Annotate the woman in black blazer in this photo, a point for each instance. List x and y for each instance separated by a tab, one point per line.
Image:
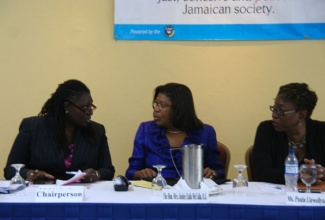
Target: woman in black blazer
62	138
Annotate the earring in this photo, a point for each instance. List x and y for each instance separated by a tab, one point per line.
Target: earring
66	111
300	123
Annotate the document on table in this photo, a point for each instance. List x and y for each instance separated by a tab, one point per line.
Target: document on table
76	178
5	186
142	183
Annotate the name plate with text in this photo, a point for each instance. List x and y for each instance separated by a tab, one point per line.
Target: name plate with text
307	199
185	196
49	193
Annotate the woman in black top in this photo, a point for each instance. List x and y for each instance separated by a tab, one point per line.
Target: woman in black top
62	138
290	127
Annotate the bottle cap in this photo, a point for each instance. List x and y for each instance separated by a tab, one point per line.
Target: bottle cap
291	151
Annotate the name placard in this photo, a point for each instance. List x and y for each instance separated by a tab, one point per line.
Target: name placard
307	199
54	193
185	196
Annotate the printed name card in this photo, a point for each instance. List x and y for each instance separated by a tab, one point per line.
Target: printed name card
307	199
59	193
185	196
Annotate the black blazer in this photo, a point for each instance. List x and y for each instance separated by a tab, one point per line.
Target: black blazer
35	147
271	148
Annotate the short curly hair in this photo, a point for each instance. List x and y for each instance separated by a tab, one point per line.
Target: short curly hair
300	95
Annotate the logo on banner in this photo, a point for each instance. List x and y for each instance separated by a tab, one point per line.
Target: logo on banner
169	31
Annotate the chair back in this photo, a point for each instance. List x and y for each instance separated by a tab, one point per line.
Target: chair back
249	163
224	157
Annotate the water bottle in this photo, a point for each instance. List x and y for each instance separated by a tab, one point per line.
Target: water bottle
291	171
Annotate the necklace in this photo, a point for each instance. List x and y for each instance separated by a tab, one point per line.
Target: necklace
299	144
174	132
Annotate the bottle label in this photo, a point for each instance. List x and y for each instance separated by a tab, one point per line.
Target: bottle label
291	169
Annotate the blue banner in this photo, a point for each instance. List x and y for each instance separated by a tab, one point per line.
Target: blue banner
220	32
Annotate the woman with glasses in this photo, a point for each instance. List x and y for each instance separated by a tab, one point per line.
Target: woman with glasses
62	138
175	124
290	127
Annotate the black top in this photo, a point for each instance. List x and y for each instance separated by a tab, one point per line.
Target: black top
35	147
271	148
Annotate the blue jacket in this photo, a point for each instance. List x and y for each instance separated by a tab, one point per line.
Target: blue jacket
151	147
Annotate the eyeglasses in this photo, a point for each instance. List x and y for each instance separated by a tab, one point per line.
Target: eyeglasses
280	111
86	108
160	105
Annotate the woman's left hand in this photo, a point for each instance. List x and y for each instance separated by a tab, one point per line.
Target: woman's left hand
90	176
320	169
208	173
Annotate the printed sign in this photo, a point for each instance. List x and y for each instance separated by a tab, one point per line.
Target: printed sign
307	199
52	193
219	19
185	196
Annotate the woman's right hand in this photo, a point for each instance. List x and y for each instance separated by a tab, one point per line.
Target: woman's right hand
144	174
33	175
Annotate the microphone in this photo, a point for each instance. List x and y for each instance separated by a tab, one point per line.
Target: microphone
121	183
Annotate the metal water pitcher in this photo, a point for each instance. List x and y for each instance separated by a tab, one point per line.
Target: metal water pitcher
192	165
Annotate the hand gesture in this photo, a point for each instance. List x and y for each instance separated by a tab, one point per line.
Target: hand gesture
90	176
208	173
144	174
320	169
33	175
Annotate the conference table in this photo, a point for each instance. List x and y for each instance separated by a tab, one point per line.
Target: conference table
101	201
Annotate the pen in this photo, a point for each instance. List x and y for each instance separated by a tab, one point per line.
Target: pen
274	186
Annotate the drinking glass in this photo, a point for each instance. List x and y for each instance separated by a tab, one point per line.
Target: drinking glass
159	182
240	180
17	182
308	175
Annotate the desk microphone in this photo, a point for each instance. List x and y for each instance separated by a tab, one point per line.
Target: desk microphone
121	183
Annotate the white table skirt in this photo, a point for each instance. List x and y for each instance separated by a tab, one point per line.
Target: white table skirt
103	192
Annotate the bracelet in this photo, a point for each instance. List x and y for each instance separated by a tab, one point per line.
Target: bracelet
214	175
97	174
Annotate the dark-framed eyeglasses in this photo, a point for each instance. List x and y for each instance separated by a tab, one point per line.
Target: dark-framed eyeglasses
86	108
160	105
280	111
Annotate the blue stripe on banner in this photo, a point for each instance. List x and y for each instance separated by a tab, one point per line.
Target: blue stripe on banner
220	32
